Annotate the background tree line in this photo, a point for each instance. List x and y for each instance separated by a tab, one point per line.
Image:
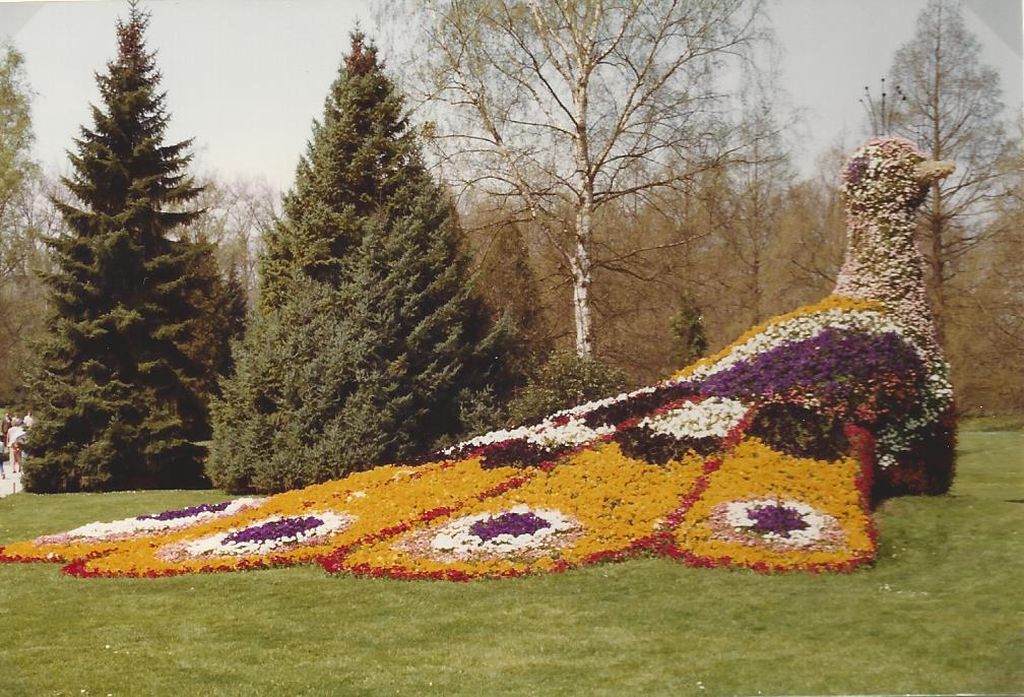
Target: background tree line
583	201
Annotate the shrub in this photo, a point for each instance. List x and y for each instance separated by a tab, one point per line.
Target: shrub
564	381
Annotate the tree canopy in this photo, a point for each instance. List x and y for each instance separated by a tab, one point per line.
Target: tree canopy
117	392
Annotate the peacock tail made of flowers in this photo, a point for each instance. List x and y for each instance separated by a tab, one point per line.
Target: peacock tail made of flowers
769	455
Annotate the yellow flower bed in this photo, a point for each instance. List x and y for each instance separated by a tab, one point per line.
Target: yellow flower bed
318	494
376	500
754	472
615	502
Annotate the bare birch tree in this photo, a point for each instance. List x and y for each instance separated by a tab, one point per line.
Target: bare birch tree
566	106
952	108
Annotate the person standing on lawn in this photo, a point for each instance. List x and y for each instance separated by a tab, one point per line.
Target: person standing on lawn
14	435
5	426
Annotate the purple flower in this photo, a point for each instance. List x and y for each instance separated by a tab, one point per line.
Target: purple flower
508	524
776	519
274	530
855	170
842	368
187	512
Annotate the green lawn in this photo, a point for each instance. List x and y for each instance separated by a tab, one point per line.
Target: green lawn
941	612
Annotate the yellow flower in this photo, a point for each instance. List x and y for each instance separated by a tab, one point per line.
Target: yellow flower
614	501
755	472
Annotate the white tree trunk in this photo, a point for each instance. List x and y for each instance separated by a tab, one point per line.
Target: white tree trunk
581	267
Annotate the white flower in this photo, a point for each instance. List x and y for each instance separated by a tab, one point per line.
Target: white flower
714	417
456	540
571	433
145	525
819	527
219	545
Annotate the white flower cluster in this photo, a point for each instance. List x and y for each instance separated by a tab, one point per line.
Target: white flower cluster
713	417
457	539
545	434
551	433
215	545
130	527
583	410
820	526
884	264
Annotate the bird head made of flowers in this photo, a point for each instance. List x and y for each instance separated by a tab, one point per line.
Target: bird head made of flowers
889	178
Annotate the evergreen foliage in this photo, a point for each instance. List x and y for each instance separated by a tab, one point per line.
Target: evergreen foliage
688	339
359	155
566	380
509	284
222	311
117	393
282	403
432	338
371	339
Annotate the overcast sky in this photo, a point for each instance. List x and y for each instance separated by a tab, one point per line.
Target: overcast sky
246	78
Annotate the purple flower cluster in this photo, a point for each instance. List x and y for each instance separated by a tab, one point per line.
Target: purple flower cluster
776	519
855	170
274	530
508	524
187	512
838	366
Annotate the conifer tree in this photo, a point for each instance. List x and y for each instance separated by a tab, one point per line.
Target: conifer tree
221	308
688	339
370	334
510	286
433	343
358	156
116	392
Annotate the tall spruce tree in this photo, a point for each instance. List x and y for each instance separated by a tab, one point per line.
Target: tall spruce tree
370	336
358	156
117	394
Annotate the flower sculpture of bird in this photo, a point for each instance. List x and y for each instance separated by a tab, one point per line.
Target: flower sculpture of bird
769	455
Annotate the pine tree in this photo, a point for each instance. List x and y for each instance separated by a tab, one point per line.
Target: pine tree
688	339
117	393
358	156
509	284
433	344
370	337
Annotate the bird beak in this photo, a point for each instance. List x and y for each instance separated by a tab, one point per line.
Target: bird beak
931	171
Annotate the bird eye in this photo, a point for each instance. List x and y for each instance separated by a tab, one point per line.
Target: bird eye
855	170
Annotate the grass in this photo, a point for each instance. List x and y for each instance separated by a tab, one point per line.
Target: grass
941	612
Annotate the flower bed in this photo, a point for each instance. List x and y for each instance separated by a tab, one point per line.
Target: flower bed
773	512
600	504
94	538
745	459
767	455
385	500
